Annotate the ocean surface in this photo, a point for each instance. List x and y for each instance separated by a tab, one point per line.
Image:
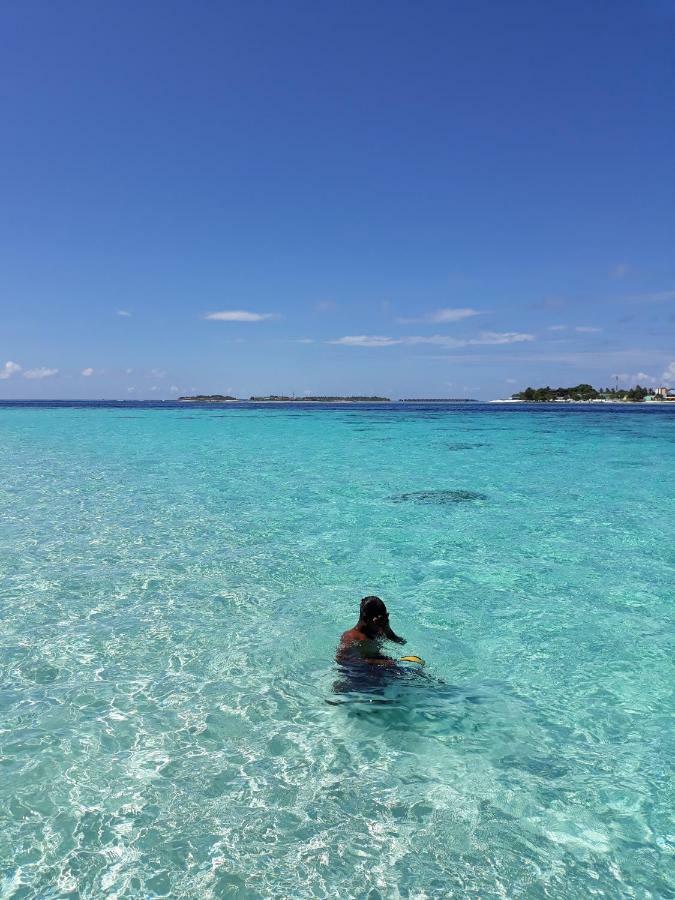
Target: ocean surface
174	581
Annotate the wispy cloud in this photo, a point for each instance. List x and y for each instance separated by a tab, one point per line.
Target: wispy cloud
88	372
239	315
657	297
10	368
440	316
587	329
557	328
124	313
506	337
366	340
325	306
602	361
637	378
668	376
551	303
41	372
620	270
305	341
438	340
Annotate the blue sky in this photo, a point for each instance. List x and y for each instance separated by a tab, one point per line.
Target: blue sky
431	199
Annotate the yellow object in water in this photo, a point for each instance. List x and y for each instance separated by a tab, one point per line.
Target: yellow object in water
415	659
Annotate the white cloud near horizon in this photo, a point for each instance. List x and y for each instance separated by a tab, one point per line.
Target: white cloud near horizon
124	313
305	341
669	375
587	329
438	340
41	372
637	378
88	372
440	316
602	362
10	368
239	315
557	328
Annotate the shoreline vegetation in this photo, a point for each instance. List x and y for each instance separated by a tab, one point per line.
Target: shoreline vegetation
586	393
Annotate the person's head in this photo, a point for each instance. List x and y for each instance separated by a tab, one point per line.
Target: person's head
373	614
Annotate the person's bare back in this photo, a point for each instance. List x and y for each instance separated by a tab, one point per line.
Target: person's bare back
362	643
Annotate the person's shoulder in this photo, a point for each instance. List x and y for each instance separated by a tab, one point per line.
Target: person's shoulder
353	634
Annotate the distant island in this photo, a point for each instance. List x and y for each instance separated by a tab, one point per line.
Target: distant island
208	398
439	400
280	398
586	393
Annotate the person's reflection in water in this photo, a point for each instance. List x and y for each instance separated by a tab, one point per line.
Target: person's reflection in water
362	664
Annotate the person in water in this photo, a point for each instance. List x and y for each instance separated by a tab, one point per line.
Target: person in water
362	642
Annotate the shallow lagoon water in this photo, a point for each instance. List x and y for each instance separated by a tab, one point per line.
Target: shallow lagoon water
173	584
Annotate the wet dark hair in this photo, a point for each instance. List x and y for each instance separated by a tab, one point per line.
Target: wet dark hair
372	607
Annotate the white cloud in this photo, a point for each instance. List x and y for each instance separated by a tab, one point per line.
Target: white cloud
587	329
157	373
437	340
505	337
154	388
557	328
366	340
10	368
87	372
41	372
669	375
124	312
174	390
440	316
620	270
637	378
131	390
238	315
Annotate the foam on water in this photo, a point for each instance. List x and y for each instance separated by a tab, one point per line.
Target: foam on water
172	588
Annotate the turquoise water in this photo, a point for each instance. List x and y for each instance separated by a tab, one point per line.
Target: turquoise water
173	583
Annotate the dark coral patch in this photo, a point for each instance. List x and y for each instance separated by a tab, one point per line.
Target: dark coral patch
466	446
439	498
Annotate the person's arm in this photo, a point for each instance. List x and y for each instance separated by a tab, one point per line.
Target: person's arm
389	634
